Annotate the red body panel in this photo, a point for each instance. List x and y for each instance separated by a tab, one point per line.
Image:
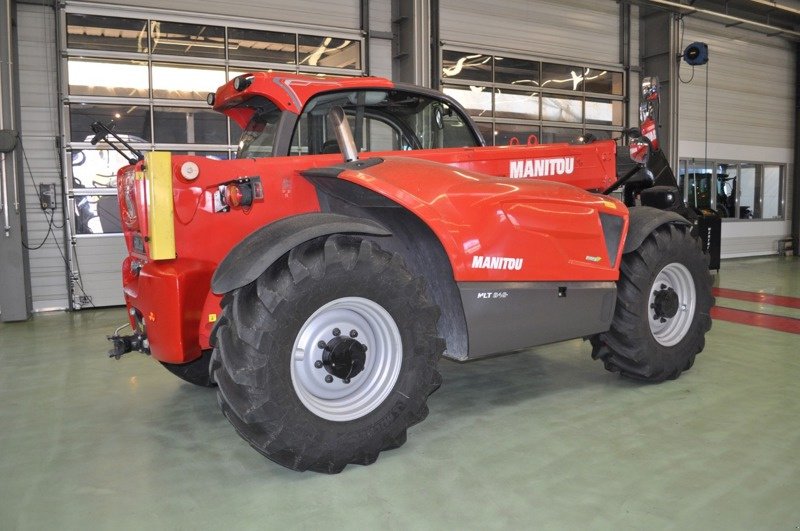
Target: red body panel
551	228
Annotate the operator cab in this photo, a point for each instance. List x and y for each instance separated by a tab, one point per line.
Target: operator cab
381	120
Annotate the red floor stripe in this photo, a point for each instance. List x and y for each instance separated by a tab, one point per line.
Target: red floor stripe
752	296
773	322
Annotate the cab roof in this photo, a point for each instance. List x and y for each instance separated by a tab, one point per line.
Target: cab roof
289	92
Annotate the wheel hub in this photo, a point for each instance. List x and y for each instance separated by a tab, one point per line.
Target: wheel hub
344	357
666	303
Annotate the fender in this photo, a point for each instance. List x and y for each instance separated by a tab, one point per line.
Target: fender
644	220
258	251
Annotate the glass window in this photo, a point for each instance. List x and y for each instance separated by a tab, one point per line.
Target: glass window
486	130
506	134
328	52
416	121
109	34
602	81
262	46
772	205
516	104
258	138
95	168
195	40
188	125
564	77
461	65
476	100
562	109
512	71
552	135
96	214
183	82
748	207
600	134
105	77
131	122
605	112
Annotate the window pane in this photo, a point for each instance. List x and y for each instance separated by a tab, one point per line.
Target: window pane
727	176
603	112
747	197
487	132
329	52
131	122
562	77
103	77
476	100
111	34
506	134
96	214
516	71
461	65
95	168
173	38
262	46
551	135
186	125
602	81
216	155
562	109
516	104
181	82
600	134
773	186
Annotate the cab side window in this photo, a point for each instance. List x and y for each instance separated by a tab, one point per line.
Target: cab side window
381	120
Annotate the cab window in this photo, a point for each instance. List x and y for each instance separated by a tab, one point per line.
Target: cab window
382	120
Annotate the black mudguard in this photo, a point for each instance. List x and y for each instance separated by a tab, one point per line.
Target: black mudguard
643	220
256	253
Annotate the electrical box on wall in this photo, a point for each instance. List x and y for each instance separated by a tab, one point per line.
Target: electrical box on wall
47	196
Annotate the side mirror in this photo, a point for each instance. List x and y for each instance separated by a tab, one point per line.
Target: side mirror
640	150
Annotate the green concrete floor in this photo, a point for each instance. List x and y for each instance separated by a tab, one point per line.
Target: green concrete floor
543	439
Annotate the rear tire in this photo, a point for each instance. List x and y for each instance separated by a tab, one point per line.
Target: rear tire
662	312
333	294
195	372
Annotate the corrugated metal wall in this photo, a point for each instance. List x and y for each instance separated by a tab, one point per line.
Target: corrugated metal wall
751	88
568	29
39	109
750	116
328	13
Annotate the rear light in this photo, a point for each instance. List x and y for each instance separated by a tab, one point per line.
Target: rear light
128	199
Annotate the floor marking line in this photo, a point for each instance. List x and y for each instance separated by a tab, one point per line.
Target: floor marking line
761	320
753	296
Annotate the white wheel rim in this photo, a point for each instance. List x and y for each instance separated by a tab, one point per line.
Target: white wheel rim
670	330
334	399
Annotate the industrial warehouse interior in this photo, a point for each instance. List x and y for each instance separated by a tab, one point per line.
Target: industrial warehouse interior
416	264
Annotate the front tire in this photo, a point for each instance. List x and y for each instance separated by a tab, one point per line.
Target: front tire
662	312
329	356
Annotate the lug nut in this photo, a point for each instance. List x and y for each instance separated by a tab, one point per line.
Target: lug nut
328	378
353	333
346	380
365	346
322	345
336	332
318	364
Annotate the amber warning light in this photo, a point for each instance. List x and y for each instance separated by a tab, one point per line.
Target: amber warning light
241	193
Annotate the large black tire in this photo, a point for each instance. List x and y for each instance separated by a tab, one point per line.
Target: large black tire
267	347
195	372
662	312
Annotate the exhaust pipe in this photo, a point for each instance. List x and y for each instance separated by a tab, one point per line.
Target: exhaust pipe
344	136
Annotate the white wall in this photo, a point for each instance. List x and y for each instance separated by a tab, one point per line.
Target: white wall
750	116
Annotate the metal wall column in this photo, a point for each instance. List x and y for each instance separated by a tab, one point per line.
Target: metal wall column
659	42
795	199
411	50
15	288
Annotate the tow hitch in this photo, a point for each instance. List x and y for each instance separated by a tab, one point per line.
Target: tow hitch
124	344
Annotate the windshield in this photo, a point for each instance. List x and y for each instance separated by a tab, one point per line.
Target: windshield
258	137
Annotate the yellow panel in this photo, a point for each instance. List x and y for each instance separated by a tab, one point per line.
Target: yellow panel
160	218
